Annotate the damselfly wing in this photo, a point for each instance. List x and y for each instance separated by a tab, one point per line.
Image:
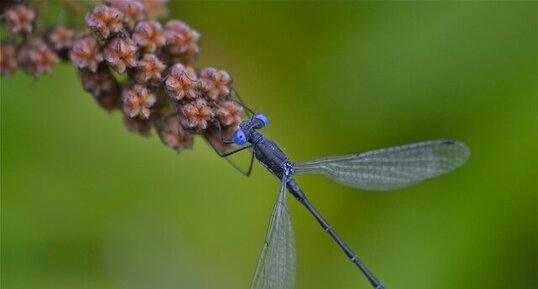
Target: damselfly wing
276	264
390	168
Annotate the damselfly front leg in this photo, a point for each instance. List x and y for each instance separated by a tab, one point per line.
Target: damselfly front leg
225	155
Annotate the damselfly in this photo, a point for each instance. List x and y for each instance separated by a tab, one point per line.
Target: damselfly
381	170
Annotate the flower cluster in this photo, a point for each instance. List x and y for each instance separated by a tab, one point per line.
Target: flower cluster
131	62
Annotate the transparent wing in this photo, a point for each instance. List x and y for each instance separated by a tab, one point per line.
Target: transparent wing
276	265
390	168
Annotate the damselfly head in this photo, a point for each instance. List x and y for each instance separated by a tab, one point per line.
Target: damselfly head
246	128
239	137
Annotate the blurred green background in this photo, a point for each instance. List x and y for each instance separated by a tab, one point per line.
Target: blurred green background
86	204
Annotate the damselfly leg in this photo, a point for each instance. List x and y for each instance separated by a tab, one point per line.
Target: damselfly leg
222	142
220	145
240	101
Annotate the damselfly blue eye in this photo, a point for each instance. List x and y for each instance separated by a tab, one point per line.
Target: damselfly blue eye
239	137
263	118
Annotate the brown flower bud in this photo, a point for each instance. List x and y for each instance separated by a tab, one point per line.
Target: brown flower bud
132	10
149	35
85	53
137	101
149	69
120	53
196	114
174	135
37	58
181	39
8	58
215	83
99	82
229	113
19	19
136	125
61	38
105	21
181	82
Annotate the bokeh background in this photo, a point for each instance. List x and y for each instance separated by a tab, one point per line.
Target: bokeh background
86	204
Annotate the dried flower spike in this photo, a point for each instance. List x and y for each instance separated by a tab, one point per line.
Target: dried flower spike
120	53
181	82
181	39
99	82
19	19
120	29
8	58
229	113
149	35
215	82
37	58
61	38
149	69
105	21
85	54
137	101
196	114
174	135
